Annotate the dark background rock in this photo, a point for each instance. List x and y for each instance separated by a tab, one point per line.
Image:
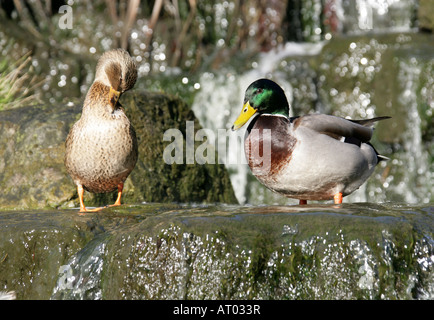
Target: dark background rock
425	15
155	181
32	173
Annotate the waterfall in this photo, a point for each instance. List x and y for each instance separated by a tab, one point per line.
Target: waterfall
363	16
418	174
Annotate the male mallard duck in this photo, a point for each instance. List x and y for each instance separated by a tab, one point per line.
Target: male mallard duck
101	148
311	157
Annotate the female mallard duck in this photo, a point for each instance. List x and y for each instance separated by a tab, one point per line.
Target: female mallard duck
101	148
311	157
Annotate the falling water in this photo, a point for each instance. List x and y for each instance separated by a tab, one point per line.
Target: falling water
418	175
362	16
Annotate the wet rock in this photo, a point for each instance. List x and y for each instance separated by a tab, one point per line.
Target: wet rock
170	251
32	173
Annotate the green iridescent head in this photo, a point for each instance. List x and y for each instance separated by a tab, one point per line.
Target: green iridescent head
262	96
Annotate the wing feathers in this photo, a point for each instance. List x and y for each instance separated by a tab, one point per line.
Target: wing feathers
337	127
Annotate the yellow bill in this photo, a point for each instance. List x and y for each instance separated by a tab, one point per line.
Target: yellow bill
246	113
114	96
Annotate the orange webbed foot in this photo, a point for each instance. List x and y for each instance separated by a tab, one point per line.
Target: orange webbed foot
83	208
118	200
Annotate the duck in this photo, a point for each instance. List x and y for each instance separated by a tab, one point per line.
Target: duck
101	148
308	157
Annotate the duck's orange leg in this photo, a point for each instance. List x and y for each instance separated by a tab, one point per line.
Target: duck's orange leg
80	192
302	202
118	200
338	198
83	209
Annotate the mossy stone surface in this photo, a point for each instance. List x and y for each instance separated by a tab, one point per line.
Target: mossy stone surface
174	251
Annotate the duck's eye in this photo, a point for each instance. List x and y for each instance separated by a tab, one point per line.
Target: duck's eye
260	90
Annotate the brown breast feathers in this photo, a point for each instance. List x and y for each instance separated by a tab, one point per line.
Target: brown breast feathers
268	145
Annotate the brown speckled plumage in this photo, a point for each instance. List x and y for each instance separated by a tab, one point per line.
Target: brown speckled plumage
101	148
